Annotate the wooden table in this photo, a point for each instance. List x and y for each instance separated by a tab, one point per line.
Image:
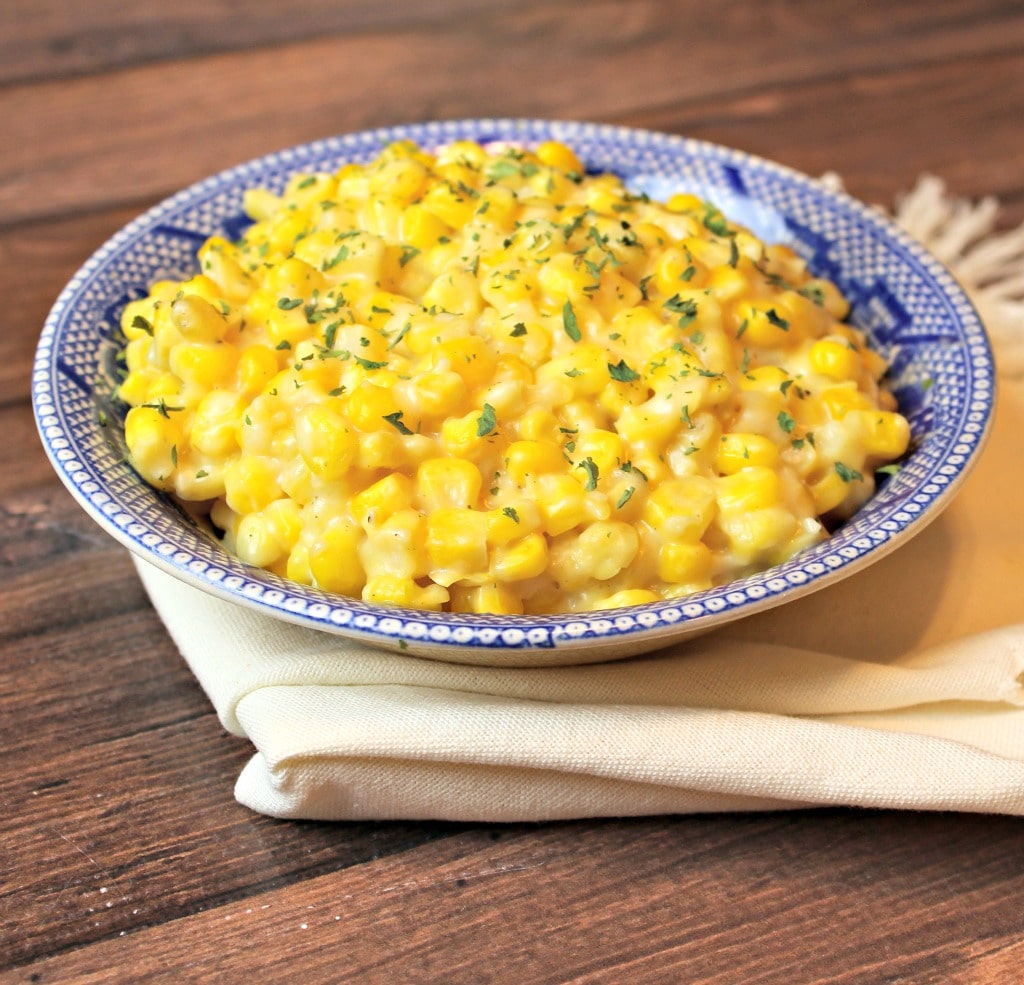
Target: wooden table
123	856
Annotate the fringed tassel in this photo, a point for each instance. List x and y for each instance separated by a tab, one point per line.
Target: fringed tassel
989	264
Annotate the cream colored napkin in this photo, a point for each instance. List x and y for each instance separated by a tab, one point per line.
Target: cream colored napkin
901	687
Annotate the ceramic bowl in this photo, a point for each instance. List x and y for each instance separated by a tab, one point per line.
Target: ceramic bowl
910	306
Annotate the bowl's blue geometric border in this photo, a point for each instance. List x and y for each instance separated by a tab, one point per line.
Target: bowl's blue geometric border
909	303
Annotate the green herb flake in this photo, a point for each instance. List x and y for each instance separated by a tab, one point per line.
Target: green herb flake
370	363
511	513
518	330
395	420
847	474
715	222
408	252
625	497
287	304
283	344
590	467
569	323
891	469
142	323
487	422
775	319
622	372
786	422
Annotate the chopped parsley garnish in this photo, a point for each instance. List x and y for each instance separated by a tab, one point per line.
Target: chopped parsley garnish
519	329
572	329
775	319
786	422
286	304
395	420
715	222
511	513
622	372
590	467
369	363
408	252
142	323
846	473
487	422
625	497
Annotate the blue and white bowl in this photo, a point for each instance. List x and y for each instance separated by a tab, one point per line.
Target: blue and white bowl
910	306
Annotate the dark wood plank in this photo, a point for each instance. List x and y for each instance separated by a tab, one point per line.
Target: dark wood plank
54	39
96	141
770	898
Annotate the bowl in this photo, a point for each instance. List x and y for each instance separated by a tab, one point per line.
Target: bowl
909	305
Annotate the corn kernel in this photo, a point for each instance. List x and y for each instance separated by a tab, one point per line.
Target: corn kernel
524	558
684	563
740	450
834	359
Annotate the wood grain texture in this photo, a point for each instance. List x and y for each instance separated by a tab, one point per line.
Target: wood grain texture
139	133
123	855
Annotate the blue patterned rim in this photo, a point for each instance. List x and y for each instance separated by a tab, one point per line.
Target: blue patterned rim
913	309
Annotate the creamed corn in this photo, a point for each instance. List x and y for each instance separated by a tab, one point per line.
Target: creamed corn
482	380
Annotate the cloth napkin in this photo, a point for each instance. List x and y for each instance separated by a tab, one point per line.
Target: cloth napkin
901	687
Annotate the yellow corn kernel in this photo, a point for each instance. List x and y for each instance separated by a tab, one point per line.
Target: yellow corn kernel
153	434
684	563
885	434
754	488
377	502
455	292
727	283
203	365
838	401
449	203
197	319
526	459
456	544
562	502
607	547
218	259
765	379
681	509
255	541
214	429
257	365
397	546
470	357
447	482
391	590
327	445
401	179
333	560
557	155
495	598
250	483
674	271
604	448
284	521
422	229
521	559
764	326
562	280
584	368
374	408
757	533
685	202
741	449
461	436
627	597
834	359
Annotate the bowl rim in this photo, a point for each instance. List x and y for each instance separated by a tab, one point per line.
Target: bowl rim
826	563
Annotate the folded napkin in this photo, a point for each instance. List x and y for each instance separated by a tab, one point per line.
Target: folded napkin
901	687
